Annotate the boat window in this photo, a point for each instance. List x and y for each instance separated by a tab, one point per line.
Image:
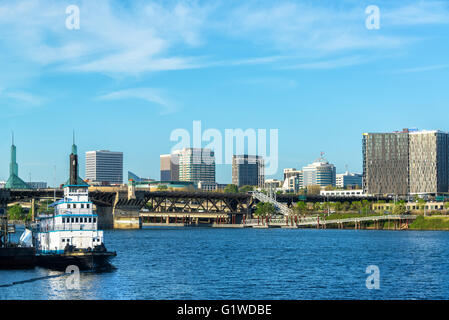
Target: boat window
87	206
90	220
82	206
63	240
63	220
76	220
74	206
95	220
68	206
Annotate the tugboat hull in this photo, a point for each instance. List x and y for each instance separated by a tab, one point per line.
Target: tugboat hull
17	258
83	260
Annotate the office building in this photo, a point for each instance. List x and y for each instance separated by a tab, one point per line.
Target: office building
406	162
428	162
37	185
104	166
319	173
196	164
349	180
248	170
170	166
293	180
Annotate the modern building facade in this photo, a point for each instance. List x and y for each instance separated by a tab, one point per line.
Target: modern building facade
170	167
319	173
428	162
104	166
196	164
37	185
293	180
406	162
348	180
248	170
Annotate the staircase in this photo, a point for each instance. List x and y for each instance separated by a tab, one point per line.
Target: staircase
282	208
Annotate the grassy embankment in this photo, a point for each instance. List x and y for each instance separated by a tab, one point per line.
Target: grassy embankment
430	223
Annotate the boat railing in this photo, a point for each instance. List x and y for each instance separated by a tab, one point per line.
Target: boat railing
69	227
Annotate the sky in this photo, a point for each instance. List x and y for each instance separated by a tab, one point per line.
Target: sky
135	71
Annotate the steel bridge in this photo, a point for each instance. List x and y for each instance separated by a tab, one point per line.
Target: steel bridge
175	200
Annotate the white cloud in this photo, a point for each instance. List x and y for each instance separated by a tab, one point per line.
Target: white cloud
152	95
141	37
22	98
417	13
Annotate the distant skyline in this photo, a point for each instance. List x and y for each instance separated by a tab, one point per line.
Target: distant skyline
136	71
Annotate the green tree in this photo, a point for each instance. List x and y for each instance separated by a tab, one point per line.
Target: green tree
399	209
264	209
16	212
346	206
338	206
301	207
246	189
231	188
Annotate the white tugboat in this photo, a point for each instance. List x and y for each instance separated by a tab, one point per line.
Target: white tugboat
70	236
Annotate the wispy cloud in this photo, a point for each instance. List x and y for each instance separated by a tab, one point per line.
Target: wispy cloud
417	13
423	69
144	37
151	95
22	98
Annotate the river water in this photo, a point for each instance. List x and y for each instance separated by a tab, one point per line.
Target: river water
205	263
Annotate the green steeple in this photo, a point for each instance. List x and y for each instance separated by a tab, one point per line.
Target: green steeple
14	182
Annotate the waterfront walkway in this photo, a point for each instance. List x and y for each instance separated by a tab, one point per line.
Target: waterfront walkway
397	221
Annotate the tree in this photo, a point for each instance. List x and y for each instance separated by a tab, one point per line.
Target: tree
399	209
317	206
338	206
16	212
231	188
264	209
346	205
162	187
246	189
301	207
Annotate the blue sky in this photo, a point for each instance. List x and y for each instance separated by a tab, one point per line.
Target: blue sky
135	71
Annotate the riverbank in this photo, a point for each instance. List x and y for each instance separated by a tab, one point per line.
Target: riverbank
435	223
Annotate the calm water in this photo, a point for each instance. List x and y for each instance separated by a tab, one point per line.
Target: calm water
196	263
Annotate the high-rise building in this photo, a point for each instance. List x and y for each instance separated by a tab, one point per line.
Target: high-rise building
170	166
248	170
349	179
196	164
319	173
293	180
406	162
104	166
385	163
429	162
